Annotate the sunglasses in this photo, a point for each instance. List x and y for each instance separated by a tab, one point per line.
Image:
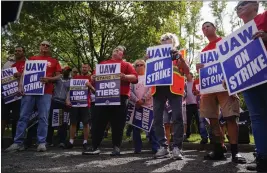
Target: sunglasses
243	4
139	65
45	45
75	72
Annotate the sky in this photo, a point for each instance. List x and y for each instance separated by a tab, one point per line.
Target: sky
207	16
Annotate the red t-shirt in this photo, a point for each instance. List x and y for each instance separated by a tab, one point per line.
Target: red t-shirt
19	65
211	45
127	69
53	66
261	22
85	77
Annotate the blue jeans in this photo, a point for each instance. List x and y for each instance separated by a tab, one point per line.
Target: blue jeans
159	100
43	103
202	127
138	141
256	100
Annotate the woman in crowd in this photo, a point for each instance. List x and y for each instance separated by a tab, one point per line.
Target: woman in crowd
174	93
141	96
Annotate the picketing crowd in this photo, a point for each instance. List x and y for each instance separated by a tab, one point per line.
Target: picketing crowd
173	105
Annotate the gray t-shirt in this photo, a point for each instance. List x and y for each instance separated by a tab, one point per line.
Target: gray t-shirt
61	89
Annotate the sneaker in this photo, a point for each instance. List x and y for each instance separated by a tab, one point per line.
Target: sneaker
176	154
116	152
68	145
238	159
91	151
15	147
204	141
61	145
41	147
85	147
162	153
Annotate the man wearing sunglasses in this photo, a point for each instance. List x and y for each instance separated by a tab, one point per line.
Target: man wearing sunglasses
41	101
256	98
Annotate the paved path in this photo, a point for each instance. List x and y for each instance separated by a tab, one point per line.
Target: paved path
57	160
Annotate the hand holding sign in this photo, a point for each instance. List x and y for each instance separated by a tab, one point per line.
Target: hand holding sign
123	76
139	103
261	34
17	75
44	79
199	66
93	77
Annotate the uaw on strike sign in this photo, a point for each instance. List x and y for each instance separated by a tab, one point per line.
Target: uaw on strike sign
159	69
141	118
9	85
33	71
243	59
107	84
211	75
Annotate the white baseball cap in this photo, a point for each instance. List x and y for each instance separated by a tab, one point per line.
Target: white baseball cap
46	42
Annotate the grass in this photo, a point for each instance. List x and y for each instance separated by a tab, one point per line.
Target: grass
194	138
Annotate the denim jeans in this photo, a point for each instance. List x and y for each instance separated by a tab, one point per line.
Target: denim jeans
159	100
43	103
256	100
138	141
202	127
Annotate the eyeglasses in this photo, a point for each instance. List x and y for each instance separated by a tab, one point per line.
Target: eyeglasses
46	45
139	65
75	72
243	4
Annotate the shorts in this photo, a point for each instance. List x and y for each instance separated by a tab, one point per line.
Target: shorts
79	114
10	110
210	104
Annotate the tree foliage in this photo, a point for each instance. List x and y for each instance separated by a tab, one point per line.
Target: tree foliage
219	11
86	32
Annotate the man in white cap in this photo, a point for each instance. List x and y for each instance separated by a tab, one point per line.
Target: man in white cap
41	101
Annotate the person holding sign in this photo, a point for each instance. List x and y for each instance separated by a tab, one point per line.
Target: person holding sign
209	108
174	93
15	105
141	96
58	102
256	98
115	114
42	102
80	112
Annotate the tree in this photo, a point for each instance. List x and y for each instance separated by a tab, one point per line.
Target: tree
191	27
218	11
86	32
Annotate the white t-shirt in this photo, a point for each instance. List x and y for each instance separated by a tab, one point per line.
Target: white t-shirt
190	97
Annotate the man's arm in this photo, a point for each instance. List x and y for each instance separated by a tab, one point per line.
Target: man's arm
184	66
131	75
21	89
